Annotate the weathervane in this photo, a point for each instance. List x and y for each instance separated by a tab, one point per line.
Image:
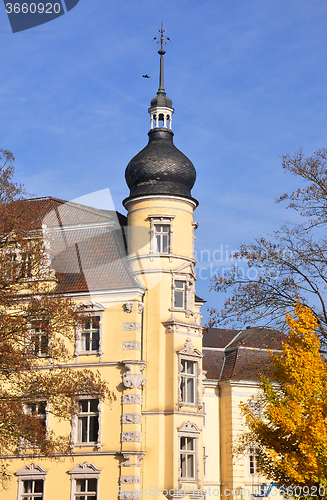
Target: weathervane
161	52
162	40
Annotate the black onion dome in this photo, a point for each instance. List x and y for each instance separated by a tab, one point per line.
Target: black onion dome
160	168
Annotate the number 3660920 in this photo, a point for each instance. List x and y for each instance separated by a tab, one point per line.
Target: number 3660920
40	8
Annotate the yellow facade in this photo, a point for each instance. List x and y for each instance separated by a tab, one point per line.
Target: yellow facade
169	433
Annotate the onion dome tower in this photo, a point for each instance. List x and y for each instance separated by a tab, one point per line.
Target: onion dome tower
160	242
160	168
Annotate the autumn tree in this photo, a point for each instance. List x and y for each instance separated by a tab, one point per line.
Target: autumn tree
289	266
290	435
37	329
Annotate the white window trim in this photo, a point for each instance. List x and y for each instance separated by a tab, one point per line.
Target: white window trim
24	443
252	452
83	471
91	309
190	430
188	353
204	414
30	472
29	344
74	434
163	220
189	293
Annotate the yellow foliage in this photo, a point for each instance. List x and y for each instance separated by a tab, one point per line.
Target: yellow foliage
292	434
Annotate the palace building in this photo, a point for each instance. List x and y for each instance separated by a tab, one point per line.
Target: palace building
170	432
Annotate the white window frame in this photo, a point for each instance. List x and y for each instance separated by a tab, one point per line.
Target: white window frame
252	461
188	294
254	406
75	441
83	471
191	431
24	443
46	411
161	220
88	332
92	309
37	332
30	472
187	376
188	353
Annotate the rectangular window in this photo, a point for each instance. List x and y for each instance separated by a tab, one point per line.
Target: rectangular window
33	489
162	238
188	375
88	421
27	264
38	410
253	461
179	295
90	334
86	489
40	342
187	457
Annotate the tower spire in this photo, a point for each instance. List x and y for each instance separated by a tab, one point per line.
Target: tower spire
161	108
162	41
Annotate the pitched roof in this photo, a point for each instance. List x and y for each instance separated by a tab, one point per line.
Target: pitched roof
86	246
92	259
239	354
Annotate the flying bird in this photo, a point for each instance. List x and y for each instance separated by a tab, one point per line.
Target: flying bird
145	76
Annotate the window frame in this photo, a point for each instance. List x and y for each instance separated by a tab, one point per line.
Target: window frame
188	293
35	331
39	416
161	220
187	376
189	430
25	443
82	471
92	309
89	331
252	457
31	472
188	353
75	434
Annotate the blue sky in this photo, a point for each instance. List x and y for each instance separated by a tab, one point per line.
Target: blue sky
248	83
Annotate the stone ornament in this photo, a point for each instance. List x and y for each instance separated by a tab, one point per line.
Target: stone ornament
131	418
140	307
132	399
127	327
85	467
134	380
133	437
130	494
130	479
128	459
32	469
129	307
133	345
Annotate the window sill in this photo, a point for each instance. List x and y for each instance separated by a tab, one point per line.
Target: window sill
87	445
88	353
